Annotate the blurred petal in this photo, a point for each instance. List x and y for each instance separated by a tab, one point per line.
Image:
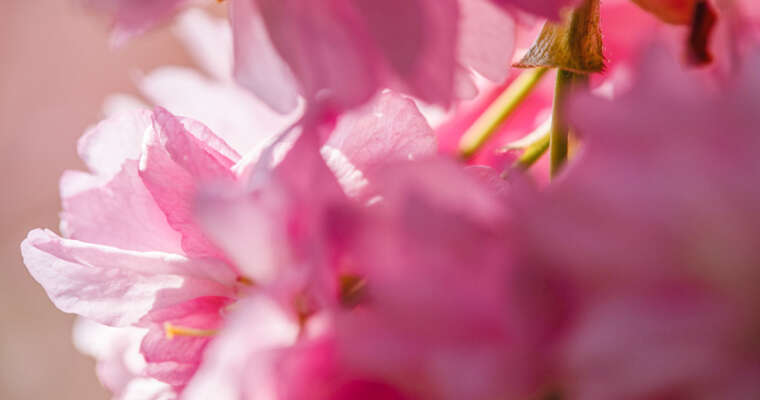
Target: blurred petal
258	66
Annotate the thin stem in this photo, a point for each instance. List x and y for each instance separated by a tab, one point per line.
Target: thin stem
560	129
504	106
532	153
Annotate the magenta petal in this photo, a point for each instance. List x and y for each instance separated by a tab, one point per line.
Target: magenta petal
417	39
112	286
544	8
333	62
433	78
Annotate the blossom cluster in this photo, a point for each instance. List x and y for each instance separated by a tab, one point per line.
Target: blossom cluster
351	202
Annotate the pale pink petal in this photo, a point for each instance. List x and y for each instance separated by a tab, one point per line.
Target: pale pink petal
116	351
147	389
247	229
111	286
258	67
234	114
106	146
92	209
173	163
209	41
389	129
277	227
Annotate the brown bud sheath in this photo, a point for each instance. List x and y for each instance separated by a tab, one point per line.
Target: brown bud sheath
575	45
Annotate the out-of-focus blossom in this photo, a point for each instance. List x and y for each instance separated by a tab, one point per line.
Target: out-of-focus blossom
210	94
545	8
339	55
672	11
432	294
439	321
655	226
133	17
261	355
120	365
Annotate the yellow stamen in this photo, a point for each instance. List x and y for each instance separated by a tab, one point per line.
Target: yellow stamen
173	330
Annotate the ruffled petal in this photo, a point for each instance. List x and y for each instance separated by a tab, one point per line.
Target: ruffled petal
112	286
174	162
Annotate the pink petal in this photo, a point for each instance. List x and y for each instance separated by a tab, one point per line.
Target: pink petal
116	351
544	8
417	39
111	286
252	337
486	39
92	209
278	228
174	360
231	112
335	64
174	161
117	139
390	129
258	66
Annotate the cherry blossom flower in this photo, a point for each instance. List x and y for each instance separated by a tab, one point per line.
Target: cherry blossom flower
159	270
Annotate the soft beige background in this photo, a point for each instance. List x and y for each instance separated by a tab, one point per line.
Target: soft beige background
55	69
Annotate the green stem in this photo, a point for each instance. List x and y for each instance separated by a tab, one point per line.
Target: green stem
560	129
498	111
532	153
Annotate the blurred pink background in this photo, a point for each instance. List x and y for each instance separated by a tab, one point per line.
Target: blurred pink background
56	67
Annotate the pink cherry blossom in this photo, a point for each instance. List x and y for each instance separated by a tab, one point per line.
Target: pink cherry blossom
161	270
654	226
